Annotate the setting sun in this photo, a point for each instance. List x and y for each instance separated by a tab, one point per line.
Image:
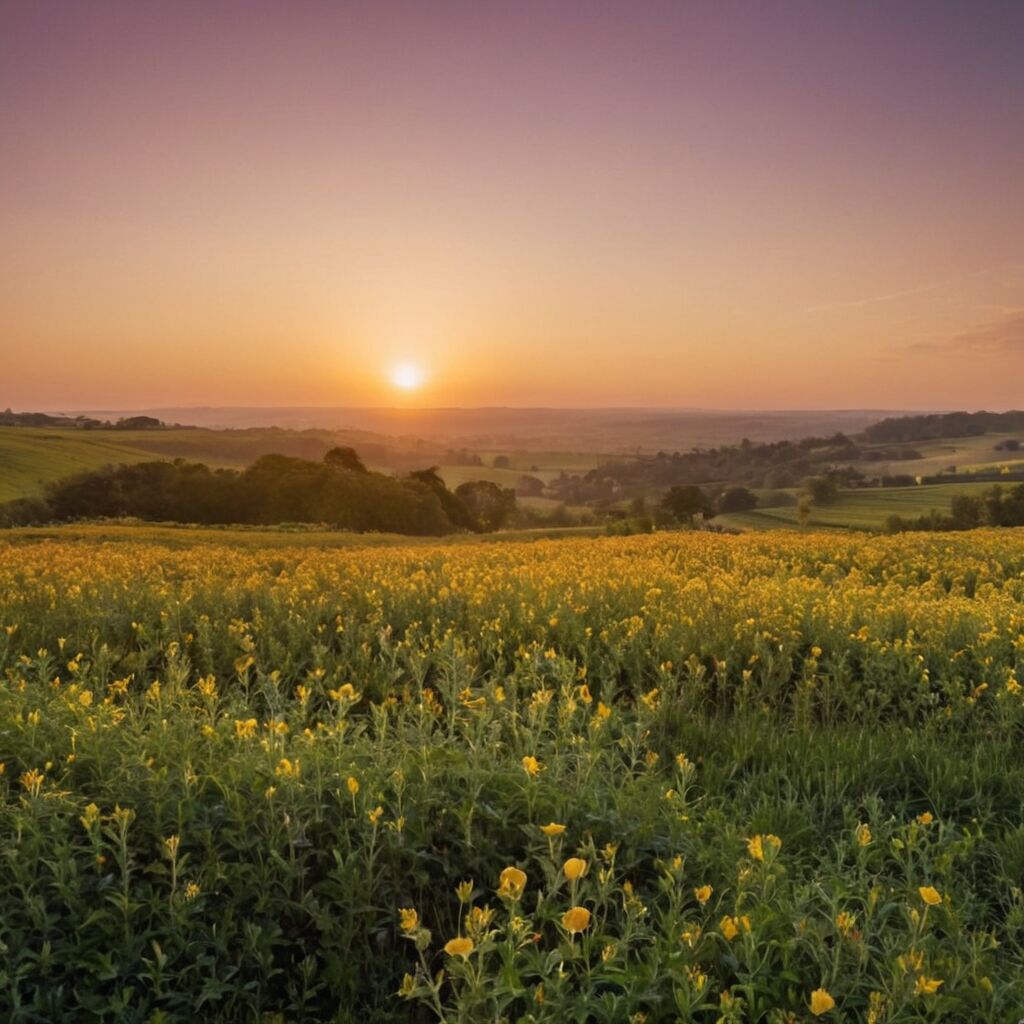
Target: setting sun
407	376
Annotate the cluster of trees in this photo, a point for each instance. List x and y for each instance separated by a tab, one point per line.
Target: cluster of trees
994	507
682	505
338	491
771	465
8	418
937	425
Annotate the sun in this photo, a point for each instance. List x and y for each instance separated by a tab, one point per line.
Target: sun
407	376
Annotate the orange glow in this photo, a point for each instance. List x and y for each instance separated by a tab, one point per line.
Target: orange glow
631	208
407	377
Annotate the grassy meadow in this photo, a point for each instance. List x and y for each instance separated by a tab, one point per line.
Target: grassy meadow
770	777
30	458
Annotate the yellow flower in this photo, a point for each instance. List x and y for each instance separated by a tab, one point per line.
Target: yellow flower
698	979
925	818
511	883
346	692
375	814
552	828
469	701
821	1002
192	890
703	894
574	868
91	816
531	765
912	961
464	890
845	922
352	783
926	986
479	919
756	845
32	781
576	919
245	729
930	895
729	927
863	835
876	1008
409	919
460	946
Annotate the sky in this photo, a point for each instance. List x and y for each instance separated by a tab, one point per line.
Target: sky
673	204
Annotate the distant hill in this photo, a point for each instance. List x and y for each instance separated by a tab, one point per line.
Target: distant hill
607	431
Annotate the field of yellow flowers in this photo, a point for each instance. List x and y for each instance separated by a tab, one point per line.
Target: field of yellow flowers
652	779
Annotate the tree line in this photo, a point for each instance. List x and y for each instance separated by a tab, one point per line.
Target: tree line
9	418
338	491
932	426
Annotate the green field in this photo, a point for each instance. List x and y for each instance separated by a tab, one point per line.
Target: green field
30	458
862	509
966	453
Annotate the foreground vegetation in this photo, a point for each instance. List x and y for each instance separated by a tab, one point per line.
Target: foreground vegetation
671	778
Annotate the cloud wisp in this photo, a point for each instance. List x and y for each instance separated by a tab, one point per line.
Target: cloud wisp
1000	337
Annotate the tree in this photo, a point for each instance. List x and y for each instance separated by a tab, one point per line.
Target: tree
822	490
737	499
344	457
530	486
454	507
684	501
138	423
501	462
966	511
488	505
